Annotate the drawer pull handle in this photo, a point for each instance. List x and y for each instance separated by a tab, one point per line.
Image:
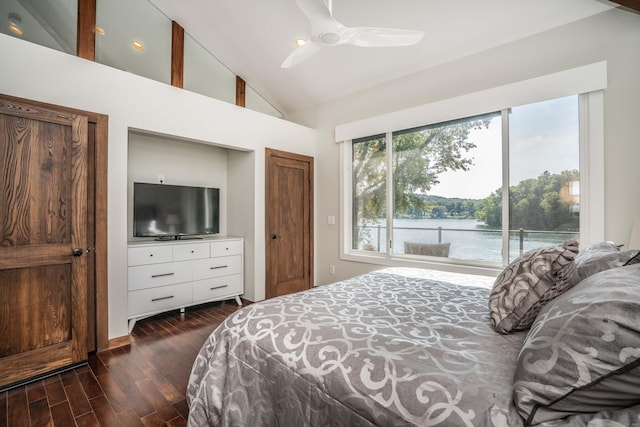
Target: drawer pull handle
221	266
162	275
218	287
161	298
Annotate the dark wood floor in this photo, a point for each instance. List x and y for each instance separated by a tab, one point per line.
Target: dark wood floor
142	384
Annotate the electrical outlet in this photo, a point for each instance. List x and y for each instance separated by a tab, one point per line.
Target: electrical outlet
332	269
161	179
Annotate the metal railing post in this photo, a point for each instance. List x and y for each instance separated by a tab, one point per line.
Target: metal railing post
439	234
521	241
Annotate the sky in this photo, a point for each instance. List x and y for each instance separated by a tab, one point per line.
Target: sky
542	136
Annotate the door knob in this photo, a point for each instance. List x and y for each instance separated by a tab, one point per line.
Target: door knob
76	252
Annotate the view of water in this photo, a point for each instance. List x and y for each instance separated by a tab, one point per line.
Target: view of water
469	238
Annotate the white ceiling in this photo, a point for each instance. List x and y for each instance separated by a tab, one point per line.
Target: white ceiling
252	38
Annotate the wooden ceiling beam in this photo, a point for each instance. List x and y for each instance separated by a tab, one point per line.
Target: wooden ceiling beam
631	4
177	55
86	37
241	91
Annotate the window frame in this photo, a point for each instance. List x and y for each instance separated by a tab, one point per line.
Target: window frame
591	146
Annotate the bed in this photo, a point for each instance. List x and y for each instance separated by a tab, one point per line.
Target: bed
402	346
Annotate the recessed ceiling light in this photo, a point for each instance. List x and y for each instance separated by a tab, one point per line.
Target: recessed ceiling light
137	45
14	23
99	30
300	42
15	29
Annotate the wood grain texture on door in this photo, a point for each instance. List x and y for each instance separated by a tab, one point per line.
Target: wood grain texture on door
289	222
43	195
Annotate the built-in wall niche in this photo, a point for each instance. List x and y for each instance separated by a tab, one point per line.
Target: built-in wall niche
173	161
166	160
185	162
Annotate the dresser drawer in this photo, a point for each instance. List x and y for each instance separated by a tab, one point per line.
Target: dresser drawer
190	251
149	255
159	299
216	267
147	276
227	247
217	287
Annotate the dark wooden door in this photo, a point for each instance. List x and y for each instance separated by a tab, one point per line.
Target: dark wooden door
289	222
43	211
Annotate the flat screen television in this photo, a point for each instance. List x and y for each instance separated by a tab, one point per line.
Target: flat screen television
172	211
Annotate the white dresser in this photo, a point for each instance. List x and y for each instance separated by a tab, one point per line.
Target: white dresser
164	276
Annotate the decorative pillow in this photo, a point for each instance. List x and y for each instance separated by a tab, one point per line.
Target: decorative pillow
529	282
599	257
582	354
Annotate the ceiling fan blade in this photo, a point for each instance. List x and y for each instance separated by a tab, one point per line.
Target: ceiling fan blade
326	32
381	37
300	54
314	9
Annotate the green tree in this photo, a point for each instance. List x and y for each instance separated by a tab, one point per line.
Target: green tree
489	210
419	157
543	203
469	206
437	212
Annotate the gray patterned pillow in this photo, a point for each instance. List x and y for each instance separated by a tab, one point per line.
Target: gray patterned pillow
582	354
599	257
528	283
634	259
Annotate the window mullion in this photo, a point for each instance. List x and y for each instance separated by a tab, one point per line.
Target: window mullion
505	186
390	195
591	110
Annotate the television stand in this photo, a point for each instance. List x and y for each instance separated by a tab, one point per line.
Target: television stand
165	276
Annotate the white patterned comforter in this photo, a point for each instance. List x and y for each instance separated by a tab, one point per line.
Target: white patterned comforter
389	348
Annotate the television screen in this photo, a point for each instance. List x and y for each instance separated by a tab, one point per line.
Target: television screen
161	210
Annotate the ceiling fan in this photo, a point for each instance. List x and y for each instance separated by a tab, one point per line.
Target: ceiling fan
327	32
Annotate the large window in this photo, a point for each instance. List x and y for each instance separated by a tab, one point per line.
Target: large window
482	189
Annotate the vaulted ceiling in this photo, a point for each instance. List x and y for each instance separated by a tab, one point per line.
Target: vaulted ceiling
253	37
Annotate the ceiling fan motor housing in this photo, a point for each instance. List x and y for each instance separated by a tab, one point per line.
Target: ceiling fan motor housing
329	38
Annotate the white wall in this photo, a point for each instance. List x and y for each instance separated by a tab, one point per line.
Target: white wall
241	179
133	102
613	36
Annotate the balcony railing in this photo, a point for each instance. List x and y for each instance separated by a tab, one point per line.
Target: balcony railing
472	244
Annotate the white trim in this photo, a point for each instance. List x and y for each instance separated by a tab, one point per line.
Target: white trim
346	163
574	81
591	107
